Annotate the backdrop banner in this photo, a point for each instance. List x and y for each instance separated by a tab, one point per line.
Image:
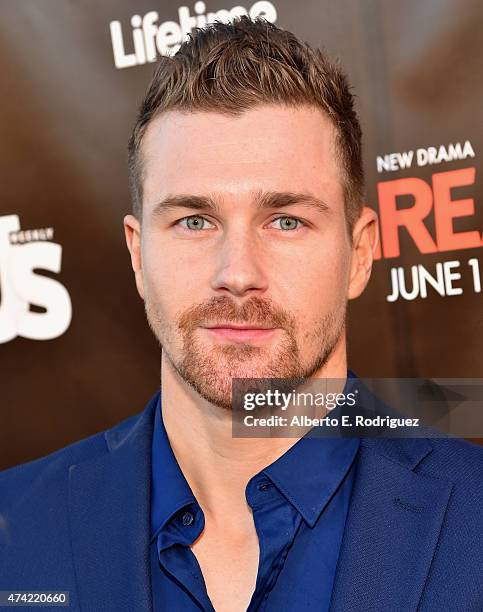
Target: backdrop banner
76	352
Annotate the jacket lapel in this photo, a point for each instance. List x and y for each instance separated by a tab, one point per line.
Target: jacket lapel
109	503
392	528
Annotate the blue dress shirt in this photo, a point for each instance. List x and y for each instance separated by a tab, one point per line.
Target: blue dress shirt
299	505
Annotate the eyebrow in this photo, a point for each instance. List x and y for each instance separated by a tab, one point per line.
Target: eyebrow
263	201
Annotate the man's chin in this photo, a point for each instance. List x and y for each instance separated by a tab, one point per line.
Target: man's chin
215	384
210	370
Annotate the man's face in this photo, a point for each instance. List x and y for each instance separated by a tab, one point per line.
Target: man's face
271	252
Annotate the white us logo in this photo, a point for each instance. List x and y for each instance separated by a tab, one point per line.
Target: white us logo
20	287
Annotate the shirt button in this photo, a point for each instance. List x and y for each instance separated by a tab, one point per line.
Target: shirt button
187	519
263	486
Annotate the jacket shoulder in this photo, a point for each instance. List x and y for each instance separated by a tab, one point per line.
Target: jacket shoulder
456	458
49	467
448	459
35	500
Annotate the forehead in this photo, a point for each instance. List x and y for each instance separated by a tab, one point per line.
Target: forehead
266	148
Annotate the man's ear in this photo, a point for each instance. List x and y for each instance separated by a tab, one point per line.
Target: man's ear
132	231
365	238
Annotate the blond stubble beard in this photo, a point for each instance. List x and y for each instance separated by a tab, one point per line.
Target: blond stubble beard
210	373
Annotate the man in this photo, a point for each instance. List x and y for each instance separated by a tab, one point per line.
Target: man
247	239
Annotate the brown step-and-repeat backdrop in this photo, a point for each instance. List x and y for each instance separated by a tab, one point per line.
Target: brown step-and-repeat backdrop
76	354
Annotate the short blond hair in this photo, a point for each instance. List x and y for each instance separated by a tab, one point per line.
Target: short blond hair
230	68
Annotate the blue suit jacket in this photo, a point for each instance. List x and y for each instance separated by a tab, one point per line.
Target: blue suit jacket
79	520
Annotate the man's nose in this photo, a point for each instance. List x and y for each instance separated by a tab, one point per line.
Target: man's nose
239	266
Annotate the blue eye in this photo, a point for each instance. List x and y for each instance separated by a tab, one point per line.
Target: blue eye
194	222
289	223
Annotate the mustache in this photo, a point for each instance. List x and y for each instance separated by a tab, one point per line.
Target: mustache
255	311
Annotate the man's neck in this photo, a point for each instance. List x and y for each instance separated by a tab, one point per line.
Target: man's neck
216	465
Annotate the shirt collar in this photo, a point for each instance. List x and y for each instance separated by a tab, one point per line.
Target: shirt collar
170	491
311	471
308	474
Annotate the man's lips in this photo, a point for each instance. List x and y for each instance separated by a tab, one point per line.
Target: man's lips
239	333
235	326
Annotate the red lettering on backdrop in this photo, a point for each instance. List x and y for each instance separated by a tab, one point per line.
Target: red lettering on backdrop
446	209
411	218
